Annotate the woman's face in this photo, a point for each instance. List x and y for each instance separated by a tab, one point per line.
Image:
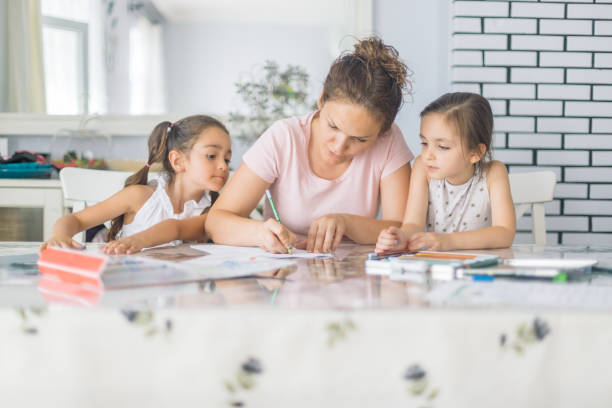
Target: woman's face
345	129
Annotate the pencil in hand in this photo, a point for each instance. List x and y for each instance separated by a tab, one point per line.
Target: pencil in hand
275	212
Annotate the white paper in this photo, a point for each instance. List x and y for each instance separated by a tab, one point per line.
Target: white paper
229	250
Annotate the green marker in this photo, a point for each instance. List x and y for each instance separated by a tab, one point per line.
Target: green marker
275	212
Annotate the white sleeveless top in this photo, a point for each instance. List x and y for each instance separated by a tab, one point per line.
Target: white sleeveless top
465	207
159	208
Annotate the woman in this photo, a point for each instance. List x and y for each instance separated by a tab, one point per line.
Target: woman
328	170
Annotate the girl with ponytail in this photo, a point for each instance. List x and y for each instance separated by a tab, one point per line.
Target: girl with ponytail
194	153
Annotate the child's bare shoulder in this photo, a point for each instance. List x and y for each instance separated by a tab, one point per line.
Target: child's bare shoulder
139	192
496	172
496	168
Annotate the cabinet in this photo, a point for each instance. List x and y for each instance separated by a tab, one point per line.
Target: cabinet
34	193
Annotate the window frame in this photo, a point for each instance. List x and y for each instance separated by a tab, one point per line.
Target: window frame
82	31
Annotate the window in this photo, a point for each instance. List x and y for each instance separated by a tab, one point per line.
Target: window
65	55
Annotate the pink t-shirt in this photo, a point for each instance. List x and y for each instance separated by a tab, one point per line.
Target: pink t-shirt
280	157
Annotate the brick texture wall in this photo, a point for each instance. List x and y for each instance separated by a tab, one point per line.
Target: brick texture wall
546	68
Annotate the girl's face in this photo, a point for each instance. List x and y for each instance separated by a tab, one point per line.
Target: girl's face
344	130
443	152
207	164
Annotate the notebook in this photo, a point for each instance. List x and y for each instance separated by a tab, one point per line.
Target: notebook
98	271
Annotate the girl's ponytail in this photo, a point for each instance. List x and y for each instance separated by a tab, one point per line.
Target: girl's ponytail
158	152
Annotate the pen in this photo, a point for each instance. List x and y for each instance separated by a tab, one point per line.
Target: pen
275	212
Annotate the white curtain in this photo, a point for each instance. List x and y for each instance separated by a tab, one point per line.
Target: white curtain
26	82
147	78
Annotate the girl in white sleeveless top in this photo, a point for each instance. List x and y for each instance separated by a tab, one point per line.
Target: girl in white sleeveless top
458	198
195	154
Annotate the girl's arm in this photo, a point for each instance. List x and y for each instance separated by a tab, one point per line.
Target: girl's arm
189	229
415	215
500	234
228	222
127	200
393	195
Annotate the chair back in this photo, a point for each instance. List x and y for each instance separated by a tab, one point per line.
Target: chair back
529	193
85	187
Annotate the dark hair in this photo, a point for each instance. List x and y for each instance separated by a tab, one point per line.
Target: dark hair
165	137
371	76
471	116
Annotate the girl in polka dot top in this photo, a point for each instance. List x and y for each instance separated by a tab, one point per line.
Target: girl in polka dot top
458	198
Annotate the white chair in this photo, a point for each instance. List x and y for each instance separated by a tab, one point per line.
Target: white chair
530	191
85	187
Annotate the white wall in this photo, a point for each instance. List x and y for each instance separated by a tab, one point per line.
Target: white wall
227	52
3	61
420	31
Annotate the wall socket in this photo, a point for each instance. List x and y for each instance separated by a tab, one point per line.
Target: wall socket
3	146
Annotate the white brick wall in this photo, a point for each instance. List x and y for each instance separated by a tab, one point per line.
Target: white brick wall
571	190
566	92
588	207
566	157
537	10
602	159
510	25
602	92
600	191
602	224
566	59
544	108
603	60
588	142
590	11
542	140
467	58
537	42
546	68
566	26
602	125
505	58
509	91
537	75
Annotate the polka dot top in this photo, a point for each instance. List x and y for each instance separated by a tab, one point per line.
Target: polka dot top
459	208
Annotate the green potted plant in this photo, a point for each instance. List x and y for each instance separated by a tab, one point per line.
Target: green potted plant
269	95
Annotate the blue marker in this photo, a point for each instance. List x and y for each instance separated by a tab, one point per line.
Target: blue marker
483	278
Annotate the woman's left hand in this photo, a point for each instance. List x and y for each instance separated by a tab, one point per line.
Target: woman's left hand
325	233
430	241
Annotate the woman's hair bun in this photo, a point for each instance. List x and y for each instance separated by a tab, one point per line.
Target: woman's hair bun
372	50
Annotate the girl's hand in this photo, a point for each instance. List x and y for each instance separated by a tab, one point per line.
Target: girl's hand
275	237
391	239
430	241
127	245
325	233
61	241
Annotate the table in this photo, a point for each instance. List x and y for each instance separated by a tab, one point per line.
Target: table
322	333
34	193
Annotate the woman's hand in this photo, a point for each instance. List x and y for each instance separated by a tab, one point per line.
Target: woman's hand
62	241
391	239
275	237
325	233
127	245
430	241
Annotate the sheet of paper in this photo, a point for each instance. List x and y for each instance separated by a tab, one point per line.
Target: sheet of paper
229	250
523	294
